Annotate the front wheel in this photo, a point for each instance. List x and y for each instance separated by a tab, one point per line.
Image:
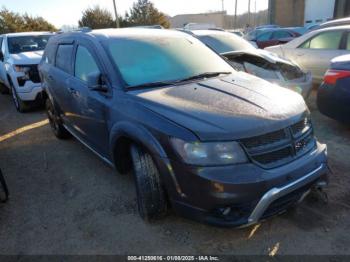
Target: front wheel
151	198
20	105
56	125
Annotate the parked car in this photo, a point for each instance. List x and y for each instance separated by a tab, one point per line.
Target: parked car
333	98
336	22
245	57
314	50
223	147
267	27
237	32
270	37
20	54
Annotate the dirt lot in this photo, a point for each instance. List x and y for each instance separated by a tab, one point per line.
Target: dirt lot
64	200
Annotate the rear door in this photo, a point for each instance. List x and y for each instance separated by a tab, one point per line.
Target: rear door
2	64
282	36
58	77
264	40
316	53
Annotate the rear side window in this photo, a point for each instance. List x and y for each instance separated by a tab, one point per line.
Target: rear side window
327	40
281	34
84	64
63	57
265	37
348	42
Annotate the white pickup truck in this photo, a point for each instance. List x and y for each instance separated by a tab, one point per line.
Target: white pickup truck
20	55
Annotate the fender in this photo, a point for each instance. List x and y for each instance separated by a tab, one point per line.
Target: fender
141	135
137	133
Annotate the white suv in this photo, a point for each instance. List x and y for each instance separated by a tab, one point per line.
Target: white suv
20	55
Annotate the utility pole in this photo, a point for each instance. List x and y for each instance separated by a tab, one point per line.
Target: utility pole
223	5
255	14
236	13
116	14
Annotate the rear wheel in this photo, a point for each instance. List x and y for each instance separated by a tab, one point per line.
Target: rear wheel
55	122
151	198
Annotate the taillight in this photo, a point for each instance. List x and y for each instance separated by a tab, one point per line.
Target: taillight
332	76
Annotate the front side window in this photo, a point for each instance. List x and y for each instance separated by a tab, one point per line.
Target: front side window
20	44
327	40
63	57
348	42
149	59
223	43
85	64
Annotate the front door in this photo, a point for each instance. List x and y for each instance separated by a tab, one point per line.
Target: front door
89	107
315	54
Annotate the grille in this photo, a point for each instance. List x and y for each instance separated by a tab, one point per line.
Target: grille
282	146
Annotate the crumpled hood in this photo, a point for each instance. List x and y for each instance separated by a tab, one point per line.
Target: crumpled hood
271	57
26	58
229	108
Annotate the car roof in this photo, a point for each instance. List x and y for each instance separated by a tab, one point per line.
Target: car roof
201	32
134	32
28	34
341	20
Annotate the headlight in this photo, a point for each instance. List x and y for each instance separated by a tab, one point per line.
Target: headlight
20	68
209	154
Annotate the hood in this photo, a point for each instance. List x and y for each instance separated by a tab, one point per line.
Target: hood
26	58
270	57
234	107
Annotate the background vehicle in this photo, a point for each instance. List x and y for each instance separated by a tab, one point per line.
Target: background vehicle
336	22
20	55
214	141
333	98
266	27
244	57
270	37
314	50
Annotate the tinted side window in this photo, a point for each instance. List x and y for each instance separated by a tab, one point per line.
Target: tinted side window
264	37
327	40
84	64
348	42
1	38
281	34
63	57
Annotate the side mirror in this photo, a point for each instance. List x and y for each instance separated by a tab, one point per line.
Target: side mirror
95	82
1	56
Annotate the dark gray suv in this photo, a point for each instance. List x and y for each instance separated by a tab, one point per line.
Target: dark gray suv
217	145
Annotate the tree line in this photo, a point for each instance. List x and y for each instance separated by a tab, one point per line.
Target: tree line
143	12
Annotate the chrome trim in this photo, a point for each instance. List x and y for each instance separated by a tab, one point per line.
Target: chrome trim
81	141
276	193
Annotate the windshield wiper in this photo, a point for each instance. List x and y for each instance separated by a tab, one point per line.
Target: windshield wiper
204	75
168	83
152	84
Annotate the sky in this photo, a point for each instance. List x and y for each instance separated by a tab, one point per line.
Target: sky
68	12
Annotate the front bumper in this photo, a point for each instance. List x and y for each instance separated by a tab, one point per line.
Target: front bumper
227	198
30	91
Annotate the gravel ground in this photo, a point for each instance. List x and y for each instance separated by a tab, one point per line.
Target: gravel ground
64	200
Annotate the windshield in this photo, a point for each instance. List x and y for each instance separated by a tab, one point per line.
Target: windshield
163	59
223	43
19	44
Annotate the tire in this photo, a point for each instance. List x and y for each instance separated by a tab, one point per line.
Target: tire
151	198
20	105
55	122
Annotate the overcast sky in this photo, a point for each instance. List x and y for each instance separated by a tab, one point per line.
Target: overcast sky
68	12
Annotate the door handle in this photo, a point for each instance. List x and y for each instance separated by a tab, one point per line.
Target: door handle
50	77
300	54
